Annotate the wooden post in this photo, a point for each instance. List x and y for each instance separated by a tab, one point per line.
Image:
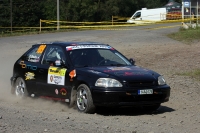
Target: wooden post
112	20
40	25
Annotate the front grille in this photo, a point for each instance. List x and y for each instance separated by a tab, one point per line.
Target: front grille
141	83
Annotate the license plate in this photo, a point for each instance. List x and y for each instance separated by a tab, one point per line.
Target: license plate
144	92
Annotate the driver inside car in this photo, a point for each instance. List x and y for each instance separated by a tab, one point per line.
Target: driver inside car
88	57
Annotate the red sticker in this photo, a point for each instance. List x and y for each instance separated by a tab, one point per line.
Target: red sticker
63	91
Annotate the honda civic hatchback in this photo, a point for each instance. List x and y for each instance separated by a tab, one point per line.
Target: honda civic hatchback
88	75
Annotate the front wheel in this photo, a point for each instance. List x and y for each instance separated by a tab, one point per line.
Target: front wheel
19	88
84	100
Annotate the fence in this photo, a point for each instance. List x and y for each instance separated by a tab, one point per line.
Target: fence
116	21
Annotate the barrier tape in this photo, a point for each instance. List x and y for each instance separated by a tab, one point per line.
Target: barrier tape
105	25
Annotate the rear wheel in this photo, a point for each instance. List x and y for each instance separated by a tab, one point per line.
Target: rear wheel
19	88
84	100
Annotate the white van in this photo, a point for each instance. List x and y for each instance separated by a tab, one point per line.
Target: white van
148	15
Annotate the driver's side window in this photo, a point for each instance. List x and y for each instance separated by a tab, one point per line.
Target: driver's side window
137	15
53	54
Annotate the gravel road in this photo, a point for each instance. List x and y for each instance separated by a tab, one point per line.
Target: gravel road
149	46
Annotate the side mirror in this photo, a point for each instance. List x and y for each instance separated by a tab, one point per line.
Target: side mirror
132	61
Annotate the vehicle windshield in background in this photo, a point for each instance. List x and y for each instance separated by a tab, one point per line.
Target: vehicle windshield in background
97	57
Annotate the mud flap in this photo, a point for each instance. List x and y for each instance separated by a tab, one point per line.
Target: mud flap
72	97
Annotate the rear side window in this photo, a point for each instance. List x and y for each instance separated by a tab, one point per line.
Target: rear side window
33	55
52	54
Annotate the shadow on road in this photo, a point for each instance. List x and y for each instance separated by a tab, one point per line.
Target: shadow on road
131	111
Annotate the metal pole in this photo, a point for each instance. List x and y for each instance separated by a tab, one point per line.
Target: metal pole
183	10
197	12
190	12
11	16
58	16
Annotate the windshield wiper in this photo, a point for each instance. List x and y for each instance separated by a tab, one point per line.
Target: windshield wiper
82	66
117	64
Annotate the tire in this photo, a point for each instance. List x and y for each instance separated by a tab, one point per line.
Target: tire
19	88
84	100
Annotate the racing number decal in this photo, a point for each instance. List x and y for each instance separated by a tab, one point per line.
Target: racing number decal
41	49
56	75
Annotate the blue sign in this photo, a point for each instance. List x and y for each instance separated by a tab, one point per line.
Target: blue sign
187	3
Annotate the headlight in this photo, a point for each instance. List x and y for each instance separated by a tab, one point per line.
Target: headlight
161	80
107	82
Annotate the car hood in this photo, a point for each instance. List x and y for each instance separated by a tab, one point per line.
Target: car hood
127	73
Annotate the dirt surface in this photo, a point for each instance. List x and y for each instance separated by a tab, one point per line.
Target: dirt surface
149	46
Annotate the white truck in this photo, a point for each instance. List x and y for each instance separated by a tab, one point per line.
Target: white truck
148	15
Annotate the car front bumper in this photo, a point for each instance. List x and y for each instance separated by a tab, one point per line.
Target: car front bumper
130	97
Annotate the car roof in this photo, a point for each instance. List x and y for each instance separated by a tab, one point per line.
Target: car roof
70	43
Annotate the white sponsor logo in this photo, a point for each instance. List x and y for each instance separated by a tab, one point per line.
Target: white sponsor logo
87	46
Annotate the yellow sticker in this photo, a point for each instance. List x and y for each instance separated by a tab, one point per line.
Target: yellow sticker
29	76
57	71
41	49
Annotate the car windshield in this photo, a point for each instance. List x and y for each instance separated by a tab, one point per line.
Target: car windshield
97	57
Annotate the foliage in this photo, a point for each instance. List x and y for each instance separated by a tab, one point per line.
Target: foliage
187	36
29	13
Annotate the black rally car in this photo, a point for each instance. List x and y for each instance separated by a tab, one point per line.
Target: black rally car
87	74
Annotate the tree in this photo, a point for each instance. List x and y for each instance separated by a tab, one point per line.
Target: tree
5	13
28	13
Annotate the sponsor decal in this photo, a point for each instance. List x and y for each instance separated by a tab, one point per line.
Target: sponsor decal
57	79
56	75
129	73
53	98
33	58
58	62
29	76
25	66
56	91
68	48
41	49
92	71
72	74
118	68
63	91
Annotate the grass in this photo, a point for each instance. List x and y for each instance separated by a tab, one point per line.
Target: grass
186	36
194	74
32	32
